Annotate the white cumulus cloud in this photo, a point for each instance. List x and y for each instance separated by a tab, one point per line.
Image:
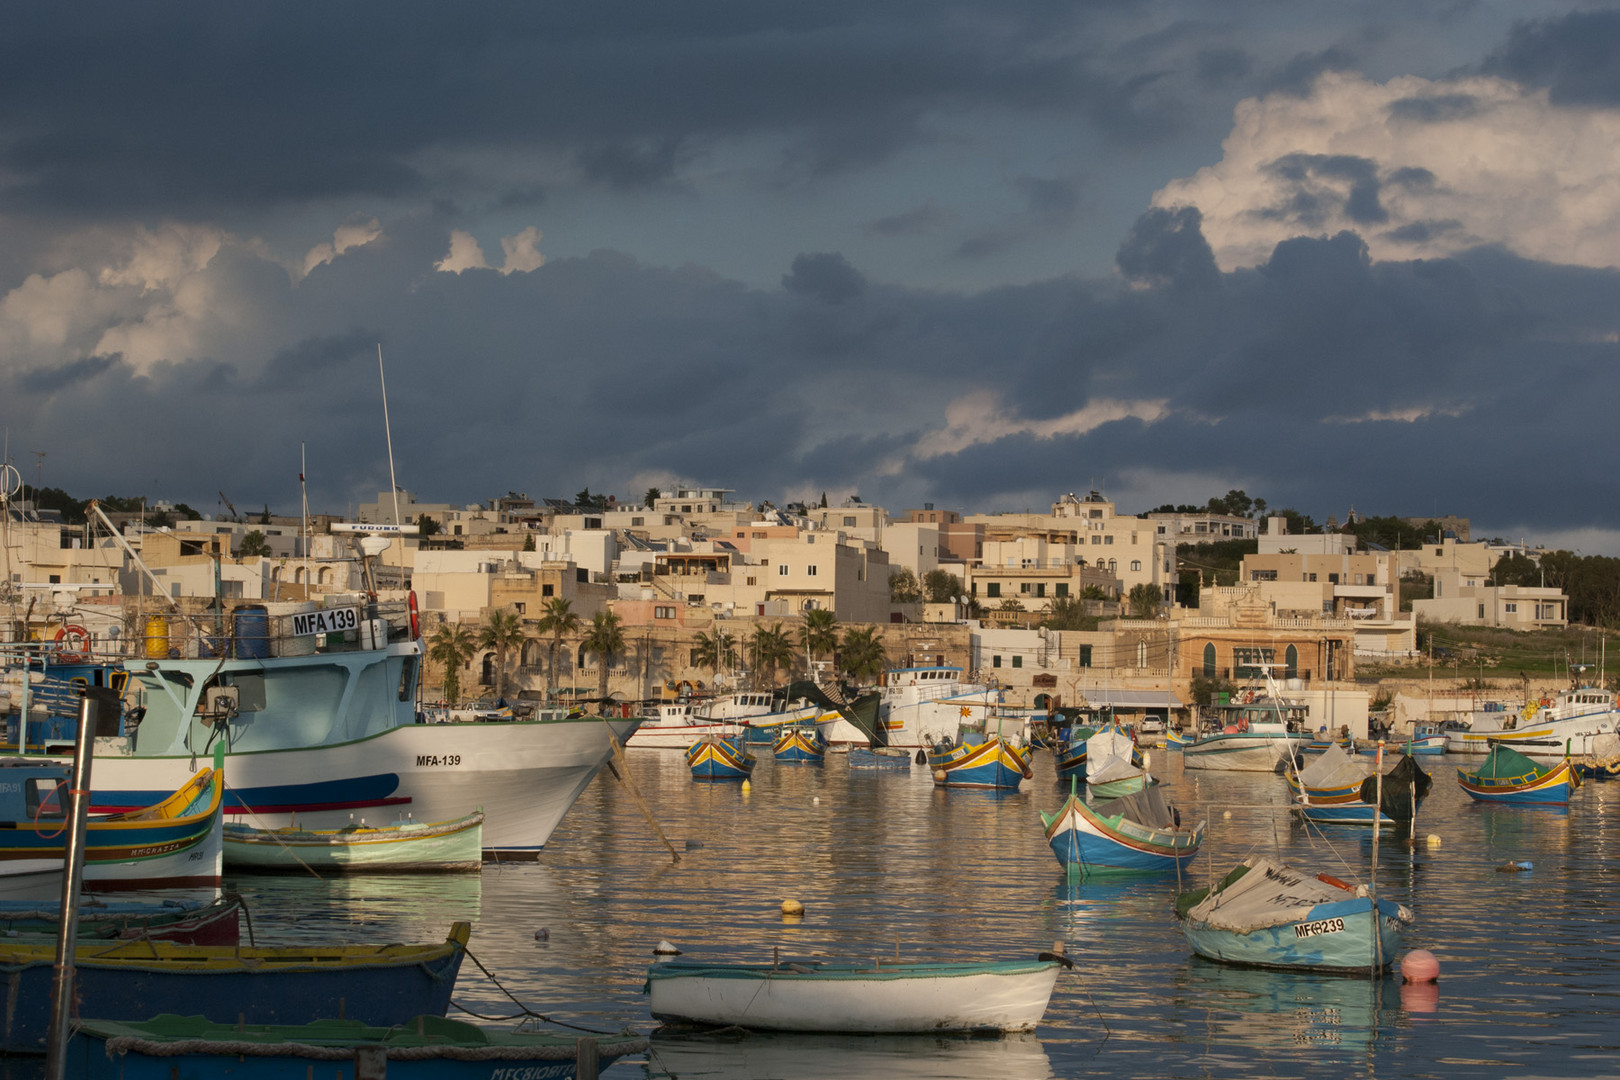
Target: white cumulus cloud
983	417
464	254
522	251
1418	167
353	235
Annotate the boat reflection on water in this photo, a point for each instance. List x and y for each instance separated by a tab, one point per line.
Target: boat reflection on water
749	1056
286	909
1260	1009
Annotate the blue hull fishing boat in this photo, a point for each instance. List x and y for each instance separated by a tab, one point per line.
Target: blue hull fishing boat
1507	776
980	762
1070	756
380	985
715	758
1139	833
425	1046
1339	798
879	758
1266	914
800	746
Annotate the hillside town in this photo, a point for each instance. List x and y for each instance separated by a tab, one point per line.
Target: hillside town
693	592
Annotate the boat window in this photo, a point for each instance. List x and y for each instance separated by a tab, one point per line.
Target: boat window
407	679
44	797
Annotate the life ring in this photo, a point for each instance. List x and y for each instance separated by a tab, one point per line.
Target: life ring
416	623
72	644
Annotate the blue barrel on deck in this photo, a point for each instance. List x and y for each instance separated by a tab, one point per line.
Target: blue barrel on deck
252	628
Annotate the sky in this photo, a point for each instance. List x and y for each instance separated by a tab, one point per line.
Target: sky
974	255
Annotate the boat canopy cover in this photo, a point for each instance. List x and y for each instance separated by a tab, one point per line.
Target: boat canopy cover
862	712
1405	780
1506	763
1108	757
1332	768
1269	894
1146	807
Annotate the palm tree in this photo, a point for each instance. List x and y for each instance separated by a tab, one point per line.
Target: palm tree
502	632
768	650
605	638
714	651
862	654
818	633
559	620
451	645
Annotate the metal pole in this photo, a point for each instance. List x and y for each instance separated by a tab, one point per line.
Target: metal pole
1372	877
96	698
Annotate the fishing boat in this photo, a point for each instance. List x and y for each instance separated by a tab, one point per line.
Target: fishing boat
675	725
800	745
1332	776
317	711
866	997
1114	765
380	985
423	1046
1174	739
980	761
1603	763
404	846
1390	799
919	706
715	758
175	843
1069	755
880	758
1135	833
186	922
1548	727
1508	776
1257	734
1267	914
761	714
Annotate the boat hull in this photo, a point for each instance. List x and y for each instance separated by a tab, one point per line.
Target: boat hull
427	847
885	759
381	986
679	736
1335	937
714	758
994	764
1239	752
1342	813
1550	787
862	999
796	746
1085	841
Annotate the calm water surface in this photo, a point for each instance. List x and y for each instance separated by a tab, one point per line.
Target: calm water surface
885	864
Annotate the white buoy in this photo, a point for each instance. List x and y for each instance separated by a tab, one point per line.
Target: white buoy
664	948
816	801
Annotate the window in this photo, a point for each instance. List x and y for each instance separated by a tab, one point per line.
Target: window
1018	661
1439	551
781	571
992	589
752	581
1333	579
995	661
1291	663
1040	588
1251	663
1209	660
1262	575
1136	564
1096	539
519	607
812	570
1108	539
663	612
55	579
1062	589
849	521
637	521
1023	588
1085	656
1510	608
548	590
1310	577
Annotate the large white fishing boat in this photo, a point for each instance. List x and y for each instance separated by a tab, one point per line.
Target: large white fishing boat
1257	733
676	725
919	707
1544	728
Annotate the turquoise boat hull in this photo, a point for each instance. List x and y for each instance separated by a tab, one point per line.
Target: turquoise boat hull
1335	937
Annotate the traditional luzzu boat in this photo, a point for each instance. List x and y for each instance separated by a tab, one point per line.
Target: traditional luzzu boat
1266	914
800	745
317	711
175	843
1135	833
879	758
402	847
1390	799
715	758
980	761
1507	776
423	1046
1175	740
1332	776
186	922
380	985
867	997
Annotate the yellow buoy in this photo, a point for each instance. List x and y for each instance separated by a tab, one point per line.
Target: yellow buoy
747	787
1227	814
792	907
1434	839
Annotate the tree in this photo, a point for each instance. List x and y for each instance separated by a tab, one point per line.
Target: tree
427	526
818	633
941	586
586	501
264	518
1516	569
862	656
1144	600
904	587
768	649
528	542
502	632
558	620
253	543
451	645
652	496
605	639
1068	613
715	651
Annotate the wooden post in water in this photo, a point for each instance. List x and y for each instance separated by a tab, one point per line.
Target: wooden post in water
629	781
586	1060
96	698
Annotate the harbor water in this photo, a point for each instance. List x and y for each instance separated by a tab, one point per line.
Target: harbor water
886	865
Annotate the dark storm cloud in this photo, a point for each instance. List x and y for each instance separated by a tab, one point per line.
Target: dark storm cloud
1309	202
50	380
827	277
1220	66
1420	232
1434	109
1298	75
192	106
924	219
1167	247
1049	204
1572	56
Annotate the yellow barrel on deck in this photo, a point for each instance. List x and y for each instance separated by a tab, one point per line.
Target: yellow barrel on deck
157	638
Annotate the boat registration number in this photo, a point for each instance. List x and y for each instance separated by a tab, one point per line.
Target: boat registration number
325	621
425	760
1322	926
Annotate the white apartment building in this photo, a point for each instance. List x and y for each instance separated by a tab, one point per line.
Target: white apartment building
1129	548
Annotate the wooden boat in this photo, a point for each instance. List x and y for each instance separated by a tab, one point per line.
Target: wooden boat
172	844
1114	765
1332	776
676	725
185	922
715	758
1390	800
1070	754
890	758
800	745
1507	776
868	997
1259	732
423	1046
1175	740
980	761
382	985
1132	834
403	847
1266	914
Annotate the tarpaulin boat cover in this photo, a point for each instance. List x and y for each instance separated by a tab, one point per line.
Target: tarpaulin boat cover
1146	807
1399	787
1269	894
1108	757
1506	763
1332	768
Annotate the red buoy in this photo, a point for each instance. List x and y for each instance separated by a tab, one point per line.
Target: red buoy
1420	966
